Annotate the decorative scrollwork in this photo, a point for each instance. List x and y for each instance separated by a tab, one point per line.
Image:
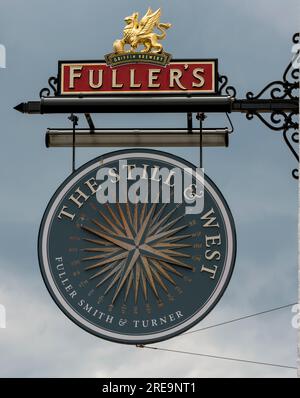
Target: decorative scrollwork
293	67
224	89
279	120
290	140
45	92
285	89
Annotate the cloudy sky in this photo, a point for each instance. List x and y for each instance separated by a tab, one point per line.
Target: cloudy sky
252	40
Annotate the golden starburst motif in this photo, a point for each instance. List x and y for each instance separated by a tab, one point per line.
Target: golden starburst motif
140	249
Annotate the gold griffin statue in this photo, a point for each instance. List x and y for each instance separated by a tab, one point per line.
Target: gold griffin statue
141	33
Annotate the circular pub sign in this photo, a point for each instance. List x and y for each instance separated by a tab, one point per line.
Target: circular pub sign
137	246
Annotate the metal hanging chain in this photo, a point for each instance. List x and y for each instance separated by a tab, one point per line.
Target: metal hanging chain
201	117
74	119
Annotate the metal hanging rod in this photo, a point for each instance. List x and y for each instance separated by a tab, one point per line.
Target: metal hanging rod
145	104
213	104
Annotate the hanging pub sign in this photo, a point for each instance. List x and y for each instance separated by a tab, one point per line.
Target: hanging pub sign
150	71
137	246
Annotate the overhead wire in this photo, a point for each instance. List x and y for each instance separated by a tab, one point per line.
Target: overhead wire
238	319
219	357
223	357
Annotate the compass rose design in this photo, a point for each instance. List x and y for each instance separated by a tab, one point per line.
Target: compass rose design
136	273
141	247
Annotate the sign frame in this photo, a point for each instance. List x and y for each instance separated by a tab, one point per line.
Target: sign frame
133	93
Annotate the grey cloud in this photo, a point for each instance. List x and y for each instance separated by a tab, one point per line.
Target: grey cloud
253	43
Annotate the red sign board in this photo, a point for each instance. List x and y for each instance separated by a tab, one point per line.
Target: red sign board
97	78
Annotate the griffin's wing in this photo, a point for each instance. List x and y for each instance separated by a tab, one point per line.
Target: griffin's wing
145	17
149	21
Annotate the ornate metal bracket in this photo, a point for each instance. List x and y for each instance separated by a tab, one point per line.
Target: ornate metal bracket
280	119
45	92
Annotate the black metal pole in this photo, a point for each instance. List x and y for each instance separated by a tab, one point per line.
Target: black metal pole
201	117
201	145
159	104
125	104
190	122
74	120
